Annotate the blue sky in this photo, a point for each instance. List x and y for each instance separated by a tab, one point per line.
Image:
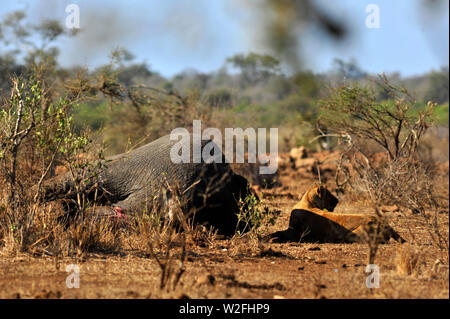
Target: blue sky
174	35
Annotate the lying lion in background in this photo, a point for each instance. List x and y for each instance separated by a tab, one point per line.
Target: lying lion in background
312	220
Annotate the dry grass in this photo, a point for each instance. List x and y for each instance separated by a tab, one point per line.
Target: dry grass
409	260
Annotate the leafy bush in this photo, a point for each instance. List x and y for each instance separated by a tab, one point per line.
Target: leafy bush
36	132
356	112
253	214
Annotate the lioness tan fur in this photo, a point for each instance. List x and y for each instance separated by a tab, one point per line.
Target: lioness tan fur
313	217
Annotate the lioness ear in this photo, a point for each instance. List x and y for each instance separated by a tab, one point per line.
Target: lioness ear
321	191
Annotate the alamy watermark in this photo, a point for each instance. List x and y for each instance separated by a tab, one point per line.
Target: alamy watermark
373	280
73	279
73	17
212	151
373	19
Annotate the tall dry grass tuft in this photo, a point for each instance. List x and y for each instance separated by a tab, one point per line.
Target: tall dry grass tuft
409	260
156	235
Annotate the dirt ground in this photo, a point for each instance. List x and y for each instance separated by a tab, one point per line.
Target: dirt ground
247	268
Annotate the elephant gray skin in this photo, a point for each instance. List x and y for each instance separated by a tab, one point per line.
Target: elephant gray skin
134	182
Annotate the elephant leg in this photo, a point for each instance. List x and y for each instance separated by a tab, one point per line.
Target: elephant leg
141	202
122	211
108	213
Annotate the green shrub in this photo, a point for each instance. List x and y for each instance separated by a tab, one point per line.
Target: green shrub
254	214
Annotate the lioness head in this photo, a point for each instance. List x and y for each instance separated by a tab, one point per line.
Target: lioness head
318	197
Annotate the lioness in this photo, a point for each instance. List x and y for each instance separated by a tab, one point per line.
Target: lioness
312	220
